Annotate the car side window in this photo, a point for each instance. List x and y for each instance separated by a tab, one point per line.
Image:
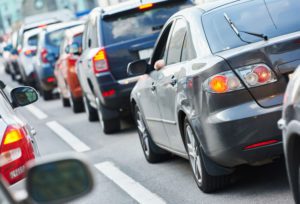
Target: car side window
176	42
160	52
188	50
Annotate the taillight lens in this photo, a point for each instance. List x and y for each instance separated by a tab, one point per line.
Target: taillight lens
44	54
223	82
256	75
29	53
252	76
100	63
15	151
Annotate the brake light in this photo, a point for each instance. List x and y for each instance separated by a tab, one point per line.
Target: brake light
29	53
252	76
50	79
257	75
261	144
15	151
222	83
108	93
44	54
42	26
146	6
100	63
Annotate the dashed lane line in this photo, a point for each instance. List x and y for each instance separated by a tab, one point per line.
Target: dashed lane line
36	112
130	186
68	137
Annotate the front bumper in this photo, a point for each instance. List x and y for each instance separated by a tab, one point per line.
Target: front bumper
225	135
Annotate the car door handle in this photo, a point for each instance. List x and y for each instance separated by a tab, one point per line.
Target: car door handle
153	87
173	81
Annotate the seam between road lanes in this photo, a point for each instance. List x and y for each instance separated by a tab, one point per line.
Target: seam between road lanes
126	183
68	137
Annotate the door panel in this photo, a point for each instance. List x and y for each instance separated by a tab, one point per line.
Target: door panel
149	106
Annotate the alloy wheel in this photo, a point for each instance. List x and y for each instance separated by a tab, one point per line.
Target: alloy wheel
143	133
194	154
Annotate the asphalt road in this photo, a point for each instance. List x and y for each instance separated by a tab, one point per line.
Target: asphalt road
123	175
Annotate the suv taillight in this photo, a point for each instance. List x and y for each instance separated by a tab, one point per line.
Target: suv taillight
100	63
15	151
30	52
44	54
252	76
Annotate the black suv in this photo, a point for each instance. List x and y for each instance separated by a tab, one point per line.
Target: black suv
112	38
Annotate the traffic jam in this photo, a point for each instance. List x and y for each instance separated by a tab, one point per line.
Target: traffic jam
152	101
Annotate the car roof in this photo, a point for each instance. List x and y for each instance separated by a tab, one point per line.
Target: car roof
75	31
63	25
37	24
214	4
126	6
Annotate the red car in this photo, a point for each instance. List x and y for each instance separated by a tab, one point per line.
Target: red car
65	69
18	145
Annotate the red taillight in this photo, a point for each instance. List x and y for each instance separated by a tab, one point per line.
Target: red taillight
15	151
146	6
29	53
44	54
19	50
108	93
263	73
100	63
261	144
50	79
257	75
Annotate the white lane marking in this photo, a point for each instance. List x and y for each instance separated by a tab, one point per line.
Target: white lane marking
68	137
36	112
130	186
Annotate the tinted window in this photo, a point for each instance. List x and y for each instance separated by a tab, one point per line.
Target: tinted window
78	39
136	23
272	18
32	41
176	42
188	52
55	38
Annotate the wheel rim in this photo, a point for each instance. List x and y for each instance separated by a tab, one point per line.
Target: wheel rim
144	137
194	154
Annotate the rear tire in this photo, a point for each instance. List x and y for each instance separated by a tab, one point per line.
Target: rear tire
65	102
77	104
152	152
91	112
109	126
47	95
205	182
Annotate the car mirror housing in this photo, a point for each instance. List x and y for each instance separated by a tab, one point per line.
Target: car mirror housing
75	49
136	68
58	181
23	96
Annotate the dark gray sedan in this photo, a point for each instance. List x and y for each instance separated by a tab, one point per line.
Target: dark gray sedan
213	89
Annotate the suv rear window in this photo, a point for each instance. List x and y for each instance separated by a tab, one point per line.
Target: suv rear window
272	18
134	24
55	38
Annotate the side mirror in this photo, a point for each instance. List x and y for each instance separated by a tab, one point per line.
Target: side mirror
58	181
75	49
23	96
139	67
8	48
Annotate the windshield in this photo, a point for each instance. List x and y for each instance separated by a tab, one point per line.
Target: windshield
138	24
272	18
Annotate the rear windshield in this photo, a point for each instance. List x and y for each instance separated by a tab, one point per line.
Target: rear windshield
78	39
137	23
270	17
55	38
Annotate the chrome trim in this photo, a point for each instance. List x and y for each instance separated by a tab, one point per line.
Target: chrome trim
162	120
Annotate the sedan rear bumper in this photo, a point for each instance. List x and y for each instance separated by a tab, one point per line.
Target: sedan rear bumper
229	132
